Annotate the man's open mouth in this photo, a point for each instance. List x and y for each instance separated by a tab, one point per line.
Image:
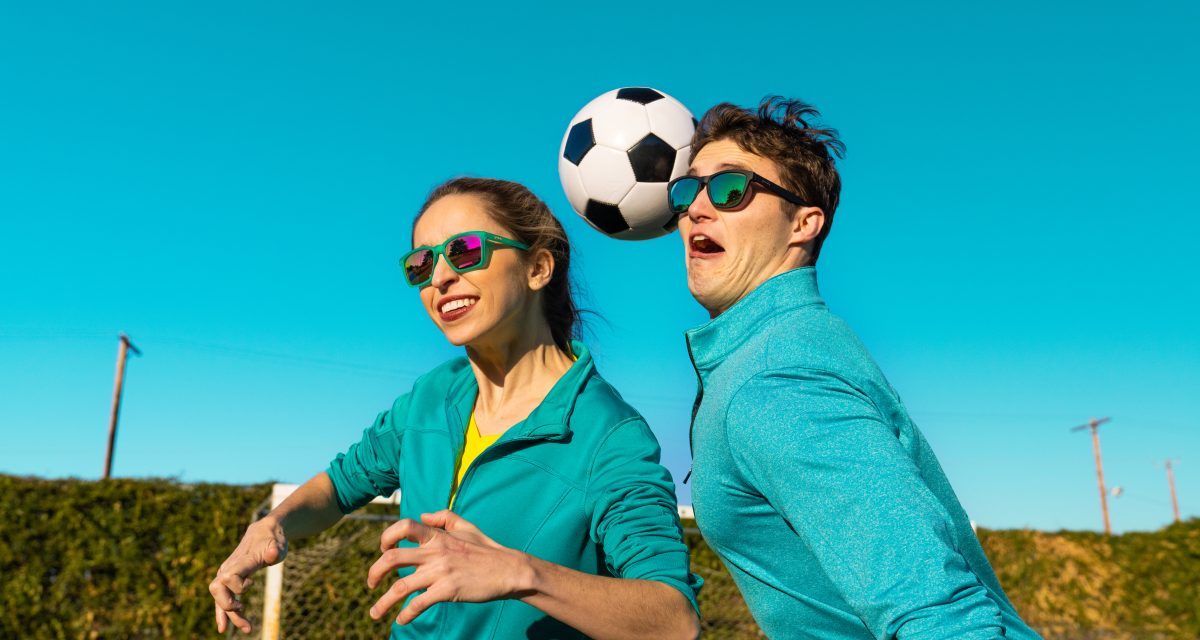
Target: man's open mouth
704	245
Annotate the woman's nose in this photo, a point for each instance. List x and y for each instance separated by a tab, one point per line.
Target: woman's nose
443	275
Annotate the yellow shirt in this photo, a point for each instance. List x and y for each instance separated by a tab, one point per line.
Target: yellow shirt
474	445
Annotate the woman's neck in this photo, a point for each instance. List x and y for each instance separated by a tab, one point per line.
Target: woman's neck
514	377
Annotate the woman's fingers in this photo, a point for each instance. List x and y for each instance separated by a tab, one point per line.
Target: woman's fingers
239	622
400	590
223	594
419	604
406	529
391	560
450	521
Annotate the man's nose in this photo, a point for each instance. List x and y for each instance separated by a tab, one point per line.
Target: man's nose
701	208
443	275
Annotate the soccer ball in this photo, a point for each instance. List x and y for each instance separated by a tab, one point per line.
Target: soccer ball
618	155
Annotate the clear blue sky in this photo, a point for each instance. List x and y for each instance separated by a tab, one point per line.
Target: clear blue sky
232	183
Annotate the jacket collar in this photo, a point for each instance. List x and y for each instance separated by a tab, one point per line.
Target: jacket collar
712	342
548	421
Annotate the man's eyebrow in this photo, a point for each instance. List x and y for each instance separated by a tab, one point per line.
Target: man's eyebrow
722	167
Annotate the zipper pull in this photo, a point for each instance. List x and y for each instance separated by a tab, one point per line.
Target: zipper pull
689	474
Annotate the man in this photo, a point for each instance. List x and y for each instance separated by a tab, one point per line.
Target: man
809	479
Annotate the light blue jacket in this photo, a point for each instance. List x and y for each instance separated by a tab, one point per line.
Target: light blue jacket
577	483
817	490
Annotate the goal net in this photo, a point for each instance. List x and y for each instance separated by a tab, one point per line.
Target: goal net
320	590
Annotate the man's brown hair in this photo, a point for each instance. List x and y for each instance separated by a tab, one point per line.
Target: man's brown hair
783	131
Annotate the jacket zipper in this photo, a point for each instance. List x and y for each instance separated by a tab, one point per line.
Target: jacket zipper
480	459
695	410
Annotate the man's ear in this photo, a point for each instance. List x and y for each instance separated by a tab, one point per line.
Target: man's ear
541	269
807	224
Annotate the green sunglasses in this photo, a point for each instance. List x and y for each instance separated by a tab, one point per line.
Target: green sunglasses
726	190
464	252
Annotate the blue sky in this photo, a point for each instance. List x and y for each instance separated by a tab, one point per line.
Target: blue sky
232	183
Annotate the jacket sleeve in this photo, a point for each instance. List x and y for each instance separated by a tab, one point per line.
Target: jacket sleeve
371	466
823	456
630	499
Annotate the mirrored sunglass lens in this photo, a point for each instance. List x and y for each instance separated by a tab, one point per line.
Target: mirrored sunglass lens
727	189
465	252
683	194
418	266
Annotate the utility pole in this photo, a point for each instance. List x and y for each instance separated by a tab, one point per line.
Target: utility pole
125	347
1093	424
1171	481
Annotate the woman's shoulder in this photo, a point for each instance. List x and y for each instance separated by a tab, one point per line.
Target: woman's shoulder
445	374
600	409
435	386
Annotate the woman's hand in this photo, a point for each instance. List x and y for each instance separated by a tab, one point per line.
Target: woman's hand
455	562
264	544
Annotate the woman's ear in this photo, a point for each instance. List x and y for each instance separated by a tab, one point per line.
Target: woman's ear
541	269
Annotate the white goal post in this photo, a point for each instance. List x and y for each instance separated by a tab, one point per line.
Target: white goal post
273	589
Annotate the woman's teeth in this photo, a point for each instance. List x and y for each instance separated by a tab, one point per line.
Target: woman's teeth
456	304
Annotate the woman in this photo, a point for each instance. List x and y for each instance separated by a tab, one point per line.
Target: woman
522	439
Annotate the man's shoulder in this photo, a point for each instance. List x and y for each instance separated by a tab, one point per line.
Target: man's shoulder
802	356
812	337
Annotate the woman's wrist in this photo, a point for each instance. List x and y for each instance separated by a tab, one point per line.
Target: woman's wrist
272	524
529	576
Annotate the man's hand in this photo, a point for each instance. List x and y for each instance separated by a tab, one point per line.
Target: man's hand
264	544
455	562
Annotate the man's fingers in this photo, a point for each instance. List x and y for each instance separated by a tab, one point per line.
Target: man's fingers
418	605
406	529
399	590
222	621
391	560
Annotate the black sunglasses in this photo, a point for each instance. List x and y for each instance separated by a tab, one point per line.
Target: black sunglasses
726	190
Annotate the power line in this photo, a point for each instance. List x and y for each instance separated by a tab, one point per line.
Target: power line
222	349
287	357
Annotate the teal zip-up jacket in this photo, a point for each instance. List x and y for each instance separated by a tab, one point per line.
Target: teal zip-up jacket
577	483
818	491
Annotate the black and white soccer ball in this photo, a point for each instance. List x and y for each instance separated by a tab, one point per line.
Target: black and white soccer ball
618	155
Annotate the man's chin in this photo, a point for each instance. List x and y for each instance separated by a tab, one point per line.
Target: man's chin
704	298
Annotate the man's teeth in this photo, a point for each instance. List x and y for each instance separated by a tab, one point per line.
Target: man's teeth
457	304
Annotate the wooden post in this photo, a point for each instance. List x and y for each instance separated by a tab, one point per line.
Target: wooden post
1171	481
1094	424
122	350
1100	475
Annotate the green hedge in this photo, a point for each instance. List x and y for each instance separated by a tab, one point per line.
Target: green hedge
114	559
133	558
